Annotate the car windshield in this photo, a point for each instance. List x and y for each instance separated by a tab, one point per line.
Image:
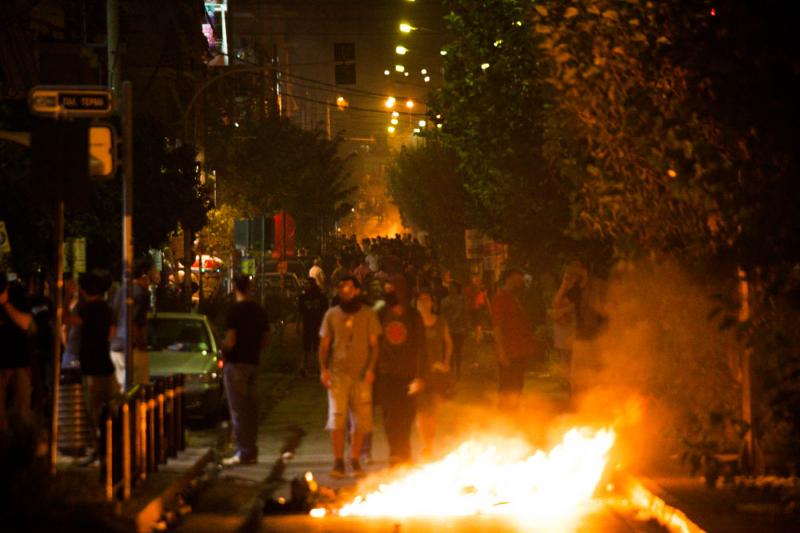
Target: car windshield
177	335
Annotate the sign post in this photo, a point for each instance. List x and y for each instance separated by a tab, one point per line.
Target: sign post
67	103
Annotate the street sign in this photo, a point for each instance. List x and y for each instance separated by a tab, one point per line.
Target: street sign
70	101
102	150
5	244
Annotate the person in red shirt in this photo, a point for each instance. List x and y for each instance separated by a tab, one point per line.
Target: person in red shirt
515	342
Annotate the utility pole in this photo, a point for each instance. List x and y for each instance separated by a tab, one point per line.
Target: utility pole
114	76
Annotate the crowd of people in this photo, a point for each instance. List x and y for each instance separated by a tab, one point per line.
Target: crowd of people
385	328
393	337
91	342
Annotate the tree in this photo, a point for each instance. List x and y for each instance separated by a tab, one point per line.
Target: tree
428	189
496	116
272	165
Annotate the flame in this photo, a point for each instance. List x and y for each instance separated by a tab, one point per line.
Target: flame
497	478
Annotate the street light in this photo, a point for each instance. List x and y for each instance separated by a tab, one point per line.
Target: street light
386	72
423	123
395	114
410	104
390	102
406	28
427	79
400	50
423	71
399	68
390	129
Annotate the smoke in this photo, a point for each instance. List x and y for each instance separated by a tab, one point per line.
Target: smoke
661	374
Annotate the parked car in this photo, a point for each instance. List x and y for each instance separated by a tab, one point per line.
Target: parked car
184	343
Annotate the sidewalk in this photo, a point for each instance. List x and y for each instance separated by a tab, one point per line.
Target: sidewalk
723	509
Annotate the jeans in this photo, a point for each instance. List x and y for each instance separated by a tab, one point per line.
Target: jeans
98	391
399	411
19	380
240	387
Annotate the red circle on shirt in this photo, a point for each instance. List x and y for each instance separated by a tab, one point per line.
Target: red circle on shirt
396	333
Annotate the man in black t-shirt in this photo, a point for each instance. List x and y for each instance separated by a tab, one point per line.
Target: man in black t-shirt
247	333
312	305
15	358
95	319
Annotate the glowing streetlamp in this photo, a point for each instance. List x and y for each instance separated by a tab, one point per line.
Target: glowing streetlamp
394	122
423	71
484	66
399	68
400	50
390	129
386	72
406	28
427	79
395	114
423	123
442	52
410	104
390	102
341	103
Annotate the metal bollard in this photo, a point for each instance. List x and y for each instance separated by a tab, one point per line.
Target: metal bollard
152	461
172	449
141	433
161	440
126	450
181	434
109	456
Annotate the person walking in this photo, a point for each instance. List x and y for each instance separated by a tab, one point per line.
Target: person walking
247	334
567	307
94	318
143	272
348	352
400	367
436	373
312	305
514	339
454	311
15	362
477	301
318	274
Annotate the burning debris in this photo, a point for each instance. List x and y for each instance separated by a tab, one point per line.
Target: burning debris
501	477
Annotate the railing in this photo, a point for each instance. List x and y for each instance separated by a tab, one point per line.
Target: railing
140	431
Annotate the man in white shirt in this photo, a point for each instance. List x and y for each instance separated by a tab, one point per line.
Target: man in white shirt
318	274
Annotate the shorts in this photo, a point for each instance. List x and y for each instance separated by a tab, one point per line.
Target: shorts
353	396
512	377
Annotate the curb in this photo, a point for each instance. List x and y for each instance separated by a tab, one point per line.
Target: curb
641	494
152	512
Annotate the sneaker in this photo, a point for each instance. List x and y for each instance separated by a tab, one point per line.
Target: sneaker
237	460
338	469
355	468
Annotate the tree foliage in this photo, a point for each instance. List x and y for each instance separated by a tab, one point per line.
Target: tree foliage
498	118
271	165
427	188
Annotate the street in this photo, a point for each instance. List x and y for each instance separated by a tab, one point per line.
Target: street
227	502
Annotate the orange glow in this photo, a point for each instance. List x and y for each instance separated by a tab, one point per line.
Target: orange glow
497	477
